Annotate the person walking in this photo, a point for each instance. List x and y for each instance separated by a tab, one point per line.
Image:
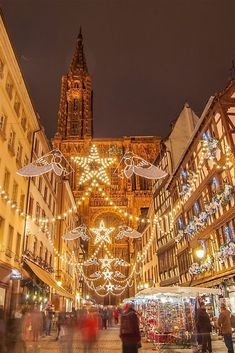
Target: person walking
104	316
116	315
224	323
49	317
204	328
129	330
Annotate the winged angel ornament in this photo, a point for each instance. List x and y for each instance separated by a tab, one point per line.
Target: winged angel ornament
78	232
125	231
54	160
139	166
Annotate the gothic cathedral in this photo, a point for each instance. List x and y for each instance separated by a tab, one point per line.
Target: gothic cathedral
102	195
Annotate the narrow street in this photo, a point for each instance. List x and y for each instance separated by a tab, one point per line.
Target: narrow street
108	342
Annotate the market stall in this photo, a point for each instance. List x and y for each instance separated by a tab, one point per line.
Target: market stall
167	313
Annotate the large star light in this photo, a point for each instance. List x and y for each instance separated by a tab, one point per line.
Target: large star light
94	167
102	233
106	262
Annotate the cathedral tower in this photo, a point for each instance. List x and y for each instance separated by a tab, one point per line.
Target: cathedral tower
75	110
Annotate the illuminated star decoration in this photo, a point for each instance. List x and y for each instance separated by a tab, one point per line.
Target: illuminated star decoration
109	287
107	274
106	262
102	233
94	167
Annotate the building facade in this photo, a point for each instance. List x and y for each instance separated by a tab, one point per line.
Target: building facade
119	200
18	122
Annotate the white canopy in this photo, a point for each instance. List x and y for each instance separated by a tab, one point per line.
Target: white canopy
174	291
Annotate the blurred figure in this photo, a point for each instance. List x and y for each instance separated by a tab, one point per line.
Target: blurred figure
37	324
2	331
49	317
225	326
15	343
130	331
27	332
60	322
104	317
110	316
66	334
116	315
204	328
89	331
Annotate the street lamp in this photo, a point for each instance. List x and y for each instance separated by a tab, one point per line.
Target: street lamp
200	251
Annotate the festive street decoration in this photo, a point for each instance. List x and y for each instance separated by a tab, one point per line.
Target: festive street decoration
109	287
52	161
78	232
120	262
107	274
139	166
118	274
211	147
198	222
205	266
225	251
102	233
106	262
94	167
96	275
91	262
125	231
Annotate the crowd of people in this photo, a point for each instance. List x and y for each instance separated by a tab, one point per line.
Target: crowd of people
22	332
26	326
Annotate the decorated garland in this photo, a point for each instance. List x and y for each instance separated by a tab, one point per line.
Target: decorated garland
202	267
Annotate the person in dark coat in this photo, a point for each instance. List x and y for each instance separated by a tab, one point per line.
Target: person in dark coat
130	331
204	328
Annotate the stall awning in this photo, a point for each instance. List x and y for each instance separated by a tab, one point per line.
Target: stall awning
180	291
48	279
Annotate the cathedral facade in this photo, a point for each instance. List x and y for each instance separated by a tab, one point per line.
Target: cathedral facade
101	195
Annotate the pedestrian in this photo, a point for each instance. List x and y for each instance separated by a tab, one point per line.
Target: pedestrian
37	324
49	317
60	322
110	316
224	323
116	315
104	316
129	330
204	328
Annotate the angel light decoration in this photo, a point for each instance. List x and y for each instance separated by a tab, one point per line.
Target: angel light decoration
139	166
52	161
78	232
125	231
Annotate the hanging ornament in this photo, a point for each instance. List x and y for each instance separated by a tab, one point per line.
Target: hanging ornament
120	262
100	288
139	166
109	287
106	262
102	233
125	231
91	262
94	167
96	275
78	232
118	274
107	274
51	161
118	287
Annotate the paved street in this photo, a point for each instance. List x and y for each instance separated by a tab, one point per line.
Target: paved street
108	342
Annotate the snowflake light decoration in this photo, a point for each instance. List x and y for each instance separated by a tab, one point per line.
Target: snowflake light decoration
102	233
109	287
94	167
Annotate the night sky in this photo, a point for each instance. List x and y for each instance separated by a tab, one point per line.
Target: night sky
146	58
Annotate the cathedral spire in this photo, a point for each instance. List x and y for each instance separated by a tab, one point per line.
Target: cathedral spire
78	64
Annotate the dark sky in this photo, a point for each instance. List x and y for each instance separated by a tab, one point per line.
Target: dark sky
146	57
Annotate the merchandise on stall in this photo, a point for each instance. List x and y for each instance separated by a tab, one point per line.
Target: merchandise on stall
167	313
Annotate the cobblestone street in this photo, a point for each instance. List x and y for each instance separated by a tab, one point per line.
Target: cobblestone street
108	342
